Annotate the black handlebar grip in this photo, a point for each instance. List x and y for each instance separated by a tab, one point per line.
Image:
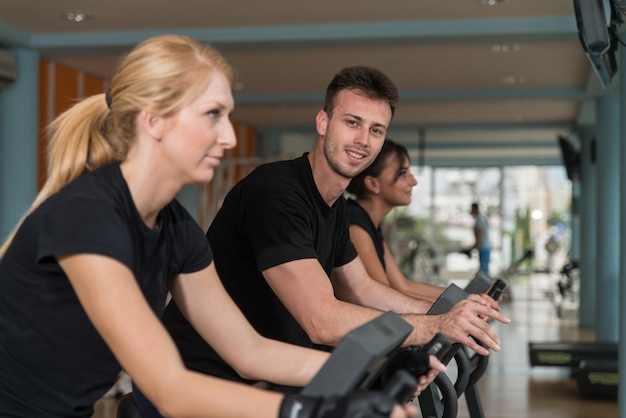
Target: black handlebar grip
496	289
401	386
438	346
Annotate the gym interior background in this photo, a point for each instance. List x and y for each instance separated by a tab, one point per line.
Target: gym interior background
499	103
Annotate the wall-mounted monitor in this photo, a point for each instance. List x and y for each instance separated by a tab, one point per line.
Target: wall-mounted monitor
571	158
596	24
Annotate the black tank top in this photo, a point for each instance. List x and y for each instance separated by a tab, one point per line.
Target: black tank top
359	216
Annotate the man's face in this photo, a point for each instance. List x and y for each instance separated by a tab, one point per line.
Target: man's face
354	134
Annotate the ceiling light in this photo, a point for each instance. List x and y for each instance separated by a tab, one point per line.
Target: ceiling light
514	79
76	16
504	48
491	2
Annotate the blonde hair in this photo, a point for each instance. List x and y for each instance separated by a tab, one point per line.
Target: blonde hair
160	75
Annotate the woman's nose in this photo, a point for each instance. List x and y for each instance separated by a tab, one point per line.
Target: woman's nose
228	139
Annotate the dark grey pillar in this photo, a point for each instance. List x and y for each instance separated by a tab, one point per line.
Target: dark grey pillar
587	209
608	220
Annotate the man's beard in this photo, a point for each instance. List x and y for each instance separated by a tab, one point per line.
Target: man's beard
345	172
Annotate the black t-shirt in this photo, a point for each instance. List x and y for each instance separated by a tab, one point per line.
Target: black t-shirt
273	216
359	216
53	362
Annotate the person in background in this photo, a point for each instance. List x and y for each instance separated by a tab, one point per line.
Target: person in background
282	244
481	238
387	183
85	276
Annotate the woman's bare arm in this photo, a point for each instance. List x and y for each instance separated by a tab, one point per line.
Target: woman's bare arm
116	306
201	295
393	276
400	282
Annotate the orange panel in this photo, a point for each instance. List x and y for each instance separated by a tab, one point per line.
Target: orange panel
64	95
65	88
93	85
251	138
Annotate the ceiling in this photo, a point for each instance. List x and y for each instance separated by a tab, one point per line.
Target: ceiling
461	102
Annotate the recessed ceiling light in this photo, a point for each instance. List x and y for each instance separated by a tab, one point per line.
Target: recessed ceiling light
504	48
76	16
514	79
491	2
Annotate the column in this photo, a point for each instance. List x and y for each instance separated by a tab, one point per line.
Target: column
622	232
587	210
18	142
608	225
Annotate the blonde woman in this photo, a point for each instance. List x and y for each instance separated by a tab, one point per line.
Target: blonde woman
84	278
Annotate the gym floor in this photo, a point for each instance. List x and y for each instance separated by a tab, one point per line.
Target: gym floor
510	388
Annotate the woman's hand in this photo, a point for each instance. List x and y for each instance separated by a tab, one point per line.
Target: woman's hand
436	367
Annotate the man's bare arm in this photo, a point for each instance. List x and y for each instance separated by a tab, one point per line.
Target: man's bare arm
306	291
352	284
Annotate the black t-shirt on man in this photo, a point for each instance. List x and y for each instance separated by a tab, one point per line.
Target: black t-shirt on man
273	216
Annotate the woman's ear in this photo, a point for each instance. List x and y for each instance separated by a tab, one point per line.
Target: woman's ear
372	184
151	124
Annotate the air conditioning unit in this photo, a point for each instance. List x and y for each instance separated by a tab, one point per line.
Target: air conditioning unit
8	69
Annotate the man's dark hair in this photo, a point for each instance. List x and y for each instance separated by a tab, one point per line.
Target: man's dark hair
390	149
365	80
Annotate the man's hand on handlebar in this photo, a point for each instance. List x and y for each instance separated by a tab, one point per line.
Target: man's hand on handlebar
492	303
466	319
494	294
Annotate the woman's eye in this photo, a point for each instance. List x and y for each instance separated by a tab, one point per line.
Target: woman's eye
213	113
